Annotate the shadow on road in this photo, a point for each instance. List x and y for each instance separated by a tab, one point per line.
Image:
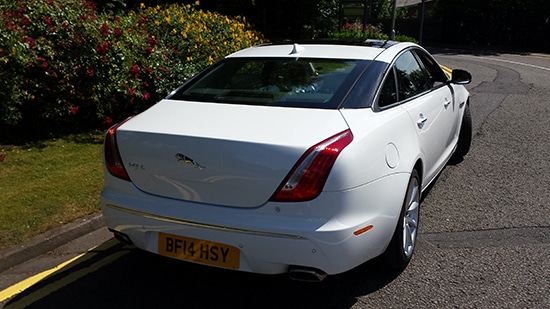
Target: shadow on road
115	275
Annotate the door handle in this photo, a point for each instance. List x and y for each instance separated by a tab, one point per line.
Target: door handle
422	121
446	104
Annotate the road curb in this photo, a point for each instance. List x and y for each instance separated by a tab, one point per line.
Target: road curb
49	240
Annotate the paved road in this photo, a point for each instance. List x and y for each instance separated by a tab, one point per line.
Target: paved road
484	238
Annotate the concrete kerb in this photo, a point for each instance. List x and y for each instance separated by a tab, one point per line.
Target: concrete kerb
49	240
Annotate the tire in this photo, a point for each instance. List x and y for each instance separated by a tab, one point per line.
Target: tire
401	247
465	135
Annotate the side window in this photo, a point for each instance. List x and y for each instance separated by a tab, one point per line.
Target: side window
388	92
435	73
411	79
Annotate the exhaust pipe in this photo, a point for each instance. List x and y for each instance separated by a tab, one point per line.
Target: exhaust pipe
306	274
122	237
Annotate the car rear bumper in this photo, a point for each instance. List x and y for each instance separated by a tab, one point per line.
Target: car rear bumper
336	232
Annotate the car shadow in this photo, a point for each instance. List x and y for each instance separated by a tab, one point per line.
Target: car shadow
115	275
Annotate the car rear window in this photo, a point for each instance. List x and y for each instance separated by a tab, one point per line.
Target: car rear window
293	82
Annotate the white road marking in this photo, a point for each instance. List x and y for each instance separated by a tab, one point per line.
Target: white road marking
509	61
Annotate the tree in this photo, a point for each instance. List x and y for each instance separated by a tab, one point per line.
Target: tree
509	23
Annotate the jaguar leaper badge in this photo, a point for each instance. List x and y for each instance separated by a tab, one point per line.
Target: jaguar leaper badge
185	159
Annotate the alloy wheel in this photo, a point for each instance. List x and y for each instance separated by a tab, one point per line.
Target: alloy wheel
410	217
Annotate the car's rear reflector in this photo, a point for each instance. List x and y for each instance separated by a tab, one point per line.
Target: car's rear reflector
363	230
307	178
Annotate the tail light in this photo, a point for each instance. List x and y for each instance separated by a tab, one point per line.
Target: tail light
307	178
113	161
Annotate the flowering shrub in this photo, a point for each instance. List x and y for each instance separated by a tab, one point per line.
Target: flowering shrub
62	62
200	37
355	31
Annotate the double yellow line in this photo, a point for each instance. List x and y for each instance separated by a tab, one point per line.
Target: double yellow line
96	256
447	70
25	284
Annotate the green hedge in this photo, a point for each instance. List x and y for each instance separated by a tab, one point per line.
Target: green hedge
65	65
355	31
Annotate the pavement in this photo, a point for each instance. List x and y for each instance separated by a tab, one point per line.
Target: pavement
77	237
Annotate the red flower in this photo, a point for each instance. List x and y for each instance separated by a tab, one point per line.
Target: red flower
74	110
152	41
108	121
90	5
29	41
104	29
146	96
135	70
79	39
118	32
26	21
90	72
130	90
102	48
48	21
44	62
143	20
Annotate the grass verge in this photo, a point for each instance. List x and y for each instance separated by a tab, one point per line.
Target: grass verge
47	184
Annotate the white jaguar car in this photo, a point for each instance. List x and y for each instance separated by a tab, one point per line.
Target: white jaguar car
307	158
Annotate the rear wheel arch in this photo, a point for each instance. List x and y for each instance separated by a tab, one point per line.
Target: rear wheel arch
419	167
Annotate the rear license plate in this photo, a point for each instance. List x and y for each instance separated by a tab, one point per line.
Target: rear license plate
197	250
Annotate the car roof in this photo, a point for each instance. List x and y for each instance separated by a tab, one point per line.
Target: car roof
330	49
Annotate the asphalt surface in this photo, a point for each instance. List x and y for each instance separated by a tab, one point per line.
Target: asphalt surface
484	238
51	248
49	240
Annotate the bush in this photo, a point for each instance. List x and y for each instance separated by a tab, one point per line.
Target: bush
194	38
355	31
200	37
64	65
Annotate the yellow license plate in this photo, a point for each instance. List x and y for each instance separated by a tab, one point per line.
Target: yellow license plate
197	250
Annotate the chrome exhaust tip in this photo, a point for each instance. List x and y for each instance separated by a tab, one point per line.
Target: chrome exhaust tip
306	274
122	237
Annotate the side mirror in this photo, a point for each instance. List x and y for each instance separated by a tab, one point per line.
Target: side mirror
461	77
